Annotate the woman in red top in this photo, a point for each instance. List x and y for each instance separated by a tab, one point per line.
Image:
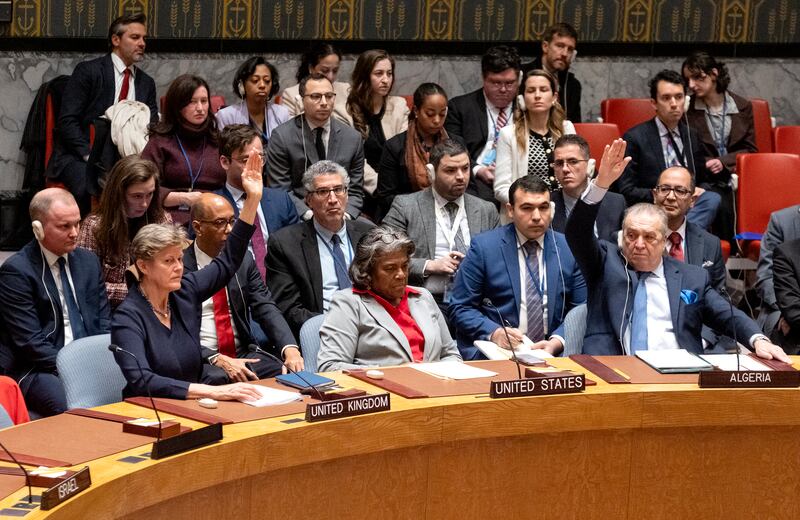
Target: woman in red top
382	321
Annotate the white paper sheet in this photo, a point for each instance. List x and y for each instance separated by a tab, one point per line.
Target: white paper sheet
452	370
273	396
728	362
671	359
496	353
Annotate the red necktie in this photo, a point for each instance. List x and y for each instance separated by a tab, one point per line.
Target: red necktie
676	251
259	249
126	85
222	320
502	119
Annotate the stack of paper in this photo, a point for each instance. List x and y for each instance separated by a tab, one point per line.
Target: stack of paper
273	396
495	352
728	362
452	370
674	361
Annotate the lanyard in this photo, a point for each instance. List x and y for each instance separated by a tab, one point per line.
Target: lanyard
192	177
494	122
678	150
330	250
719	140
450	232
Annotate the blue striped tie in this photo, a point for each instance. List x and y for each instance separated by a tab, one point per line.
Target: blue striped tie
639	320
533	299
73	311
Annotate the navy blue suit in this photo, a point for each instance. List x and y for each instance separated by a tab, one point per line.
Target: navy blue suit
276	205
612	281
171	359
486	274
609	219
32	330
88	94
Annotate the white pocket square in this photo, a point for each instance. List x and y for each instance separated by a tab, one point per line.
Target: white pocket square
707	263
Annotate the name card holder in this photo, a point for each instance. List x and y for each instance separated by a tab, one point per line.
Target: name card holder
67	488
334	395
150	428
537	384
347	407
749	379
186	441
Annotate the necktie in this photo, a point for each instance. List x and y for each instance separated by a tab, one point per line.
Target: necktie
533	298
73	312
458	242
339	263
126	85
502	119
319	144
676	250
672	154
222	321
639	320
259	247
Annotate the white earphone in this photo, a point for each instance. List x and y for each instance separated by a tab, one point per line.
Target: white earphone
552	210
38	230
521	103
431	171
240	88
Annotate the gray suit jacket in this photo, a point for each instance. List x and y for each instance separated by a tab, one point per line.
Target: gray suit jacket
414	213
358	332
784	225
288	157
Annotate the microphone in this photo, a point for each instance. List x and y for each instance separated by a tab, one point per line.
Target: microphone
724	292
488	303
252	347
116	348
24	472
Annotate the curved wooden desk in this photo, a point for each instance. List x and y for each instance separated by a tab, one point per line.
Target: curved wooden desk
615	451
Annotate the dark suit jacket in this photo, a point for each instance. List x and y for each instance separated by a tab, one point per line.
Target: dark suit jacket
466	117
294	274
415	215
277	206
786	278
742	138
32	324
609	219
703	250
569	91
612	281
89	92
486	274
249	299
291	151
647	161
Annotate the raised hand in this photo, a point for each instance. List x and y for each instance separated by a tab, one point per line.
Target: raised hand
612	164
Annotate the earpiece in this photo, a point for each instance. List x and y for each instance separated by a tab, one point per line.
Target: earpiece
521	103
552	210
619	241
431	171
240	88
38	230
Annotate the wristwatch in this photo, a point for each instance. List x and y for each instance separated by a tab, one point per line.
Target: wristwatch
212	358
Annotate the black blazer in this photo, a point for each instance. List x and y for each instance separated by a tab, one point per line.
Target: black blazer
466	117
249	299
32	323
647	161
609	217
294	274
786	278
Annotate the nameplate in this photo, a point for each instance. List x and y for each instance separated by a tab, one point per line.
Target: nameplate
327	410
749	379
150	428
186	441
569	384
66	489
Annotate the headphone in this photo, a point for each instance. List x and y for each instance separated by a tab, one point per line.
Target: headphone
38	230
431	172
521	103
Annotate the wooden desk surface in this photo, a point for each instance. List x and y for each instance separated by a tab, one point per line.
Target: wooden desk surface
613	451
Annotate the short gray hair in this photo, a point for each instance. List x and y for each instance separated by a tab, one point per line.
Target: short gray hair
41	202
375	243
646	208
320	168
154	238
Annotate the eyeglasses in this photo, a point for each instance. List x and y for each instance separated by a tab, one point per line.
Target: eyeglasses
220	222
503	85
324	193
243	160
317	97
571	163
679	191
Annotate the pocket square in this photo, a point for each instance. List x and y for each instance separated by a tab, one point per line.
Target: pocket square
707	263
688	297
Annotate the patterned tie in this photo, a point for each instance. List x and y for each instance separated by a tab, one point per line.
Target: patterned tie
222	320
502	119
672	155
319	144
126	85
73	311
259	247
533	298
458	242
676	250
639	320
339	263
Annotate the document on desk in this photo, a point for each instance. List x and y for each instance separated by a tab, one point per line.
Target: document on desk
674	361
494	352
452	370
728	362
272	397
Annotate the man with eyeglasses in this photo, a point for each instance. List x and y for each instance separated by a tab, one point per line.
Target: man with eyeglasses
309	261
571	165
479	116
311	137
236	144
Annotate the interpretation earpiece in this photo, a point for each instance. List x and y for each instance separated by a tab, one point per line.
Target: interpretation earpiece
431	171
521	102
240	88
552	210
619	239
38	230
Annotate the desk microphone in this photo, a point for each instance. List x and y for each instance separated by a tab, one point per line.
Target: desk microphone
24	472
488	303
116	348
724	292
252	347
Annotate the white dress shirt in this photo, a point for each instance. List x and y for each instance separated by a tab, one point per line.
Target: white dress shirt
443	229
492	113
330	284
326	132
55	270
208	327
119	76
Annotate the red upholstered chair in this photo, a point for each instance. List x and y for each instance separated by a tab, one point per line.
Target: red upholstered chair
598	135
409	102
626	112
49	128
767	183
787	139
763	125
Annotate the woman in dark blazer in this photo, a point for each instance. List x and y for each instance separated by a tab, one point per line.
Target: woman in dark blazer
159	321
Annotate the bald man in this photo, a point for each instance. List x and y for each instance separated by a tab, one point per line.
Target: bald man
53	293
243	313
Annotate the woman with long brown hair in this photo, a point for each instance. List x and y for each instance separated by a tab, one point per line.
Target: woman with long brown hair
525	147
126	205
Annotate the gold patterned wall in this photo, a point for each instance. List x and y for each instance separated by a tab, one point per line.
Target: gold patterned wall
640	21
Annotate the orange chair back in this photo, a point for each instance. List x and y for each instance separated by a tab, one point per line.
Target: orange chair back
626	112
598	135
763	125
767	182
787	139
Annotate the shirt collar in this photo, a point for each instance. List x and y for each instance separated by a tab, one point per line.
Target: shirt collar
236	193
730	105
327	234
326	125
491	107
49	256
521	239
119	66
663	131
441	202
202	258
